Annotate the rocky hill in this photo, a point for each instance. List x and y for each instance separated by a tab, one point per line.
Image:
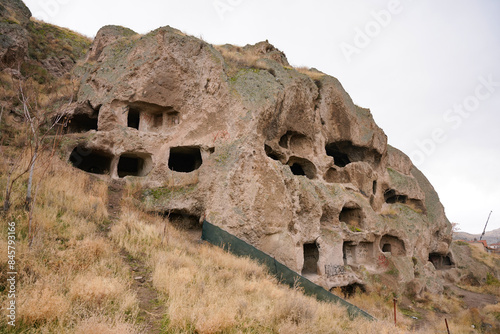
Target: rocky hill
490	236
36	49
168	129
278	157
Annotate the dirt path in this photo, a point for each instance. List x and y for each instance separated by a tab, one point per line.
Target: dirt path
473	299
151	309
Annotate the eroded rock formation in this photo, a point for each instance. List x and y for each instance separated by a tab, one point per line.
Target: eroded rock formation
280	158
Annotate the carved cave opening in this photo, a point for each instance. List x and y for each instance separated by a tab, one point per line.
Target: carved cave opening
340	159
393	245
160	118
441	261
344	152
150	117
301	166
133	118
391	197
131	164
184	159
311	257
184	220
374	187
350	290
351	215
81	123
355	254
91	160
347	252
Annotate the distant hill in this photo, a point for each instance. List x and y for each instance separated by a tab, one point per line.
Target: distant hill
490	236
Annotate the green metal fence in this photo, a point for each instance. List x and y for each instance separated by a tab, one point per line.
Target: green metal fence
218	237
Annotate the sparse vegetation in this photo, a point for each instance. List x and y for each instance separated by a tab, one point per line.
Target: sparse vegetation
47	40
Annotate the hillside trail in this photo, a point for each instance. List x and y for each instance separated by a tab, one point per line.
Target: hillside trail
151	309
472	299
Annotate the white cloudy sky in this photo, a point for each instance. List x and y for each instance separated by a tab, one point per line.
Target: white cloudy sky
429	68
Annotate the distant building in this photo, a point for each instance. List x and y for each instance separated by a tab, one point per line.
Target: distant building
485	245
495	248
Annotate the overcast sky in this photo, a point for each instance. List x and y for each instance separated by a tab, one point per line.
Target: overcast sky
428	70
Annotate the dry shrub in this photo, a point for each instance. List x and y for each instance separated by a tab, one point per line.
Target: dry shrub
95	290
41	305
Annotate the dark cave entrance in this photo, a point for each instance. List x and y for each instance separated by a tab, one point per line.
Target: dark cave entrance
183	220
340	158
391	197
350	290
82	123
344	152
91	161
351	216
311	257
441	261
393	245
184	159
301	166
386	248
130	165
133	118
297	169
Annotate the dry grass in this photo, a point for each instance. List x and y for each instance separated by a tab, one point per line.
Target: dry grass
236	59
71	275
207	290
313	74
101	325
479	253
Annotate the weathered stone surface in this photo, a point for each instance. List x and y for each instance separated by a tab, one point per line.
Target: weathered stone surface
14	15
13	45
280	158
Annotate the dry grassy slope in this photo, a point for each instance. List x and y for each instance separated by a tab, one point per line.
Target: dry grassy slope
39	50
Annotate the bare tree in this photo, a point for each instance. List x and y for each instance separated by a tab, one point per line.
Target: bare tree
40	137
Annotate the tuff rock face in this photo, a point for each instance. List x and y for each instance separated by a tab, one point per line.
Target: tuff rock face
279	158
14	16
